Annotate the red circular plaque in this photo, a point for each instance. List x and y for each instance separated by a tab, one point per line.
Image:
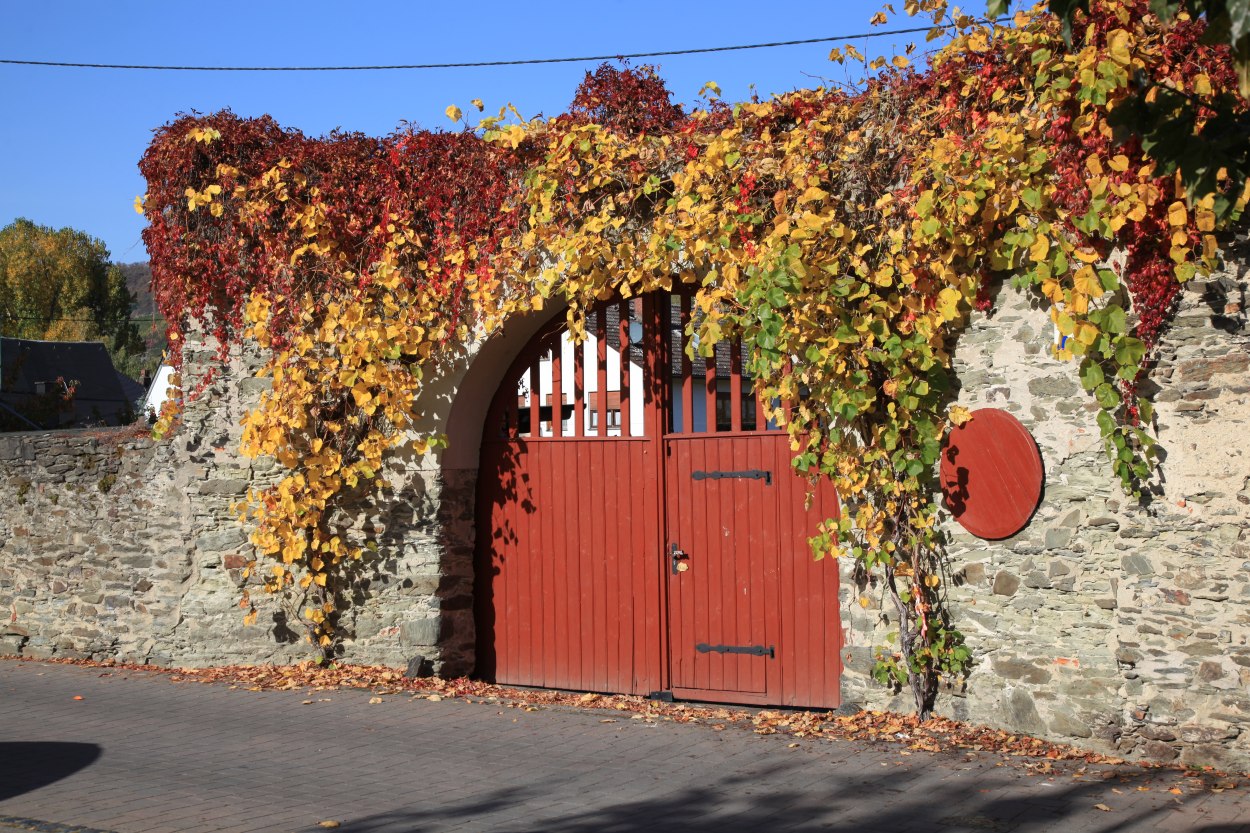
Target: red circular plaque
991	474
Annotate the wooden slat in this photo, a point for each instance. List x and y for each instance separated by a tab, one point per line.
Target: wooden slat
735	385
623	308
579	390
687	382
709	400
535	420
557	389
601	342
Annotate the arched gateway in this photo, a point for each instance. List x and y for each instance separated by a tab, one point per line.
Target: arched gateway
639	528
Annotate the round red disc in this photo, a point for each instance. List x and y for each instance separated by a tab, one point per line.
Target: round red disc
991	474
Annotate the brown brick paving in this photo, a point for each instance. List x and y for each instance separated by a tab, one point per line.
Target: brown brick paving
140	754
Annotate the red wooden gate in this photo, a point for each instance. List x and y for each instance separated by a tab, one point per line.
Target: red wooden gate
639	526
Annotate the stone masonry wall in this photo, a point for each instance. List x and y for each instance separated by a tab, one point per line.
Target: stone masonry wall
1103	623
117	546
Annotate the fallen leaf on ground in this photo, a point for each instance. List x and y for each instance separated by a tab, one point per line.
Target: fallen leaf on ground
1102	807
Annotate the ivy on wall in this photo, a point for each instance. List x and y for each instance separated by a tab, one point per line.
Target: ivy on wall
843	235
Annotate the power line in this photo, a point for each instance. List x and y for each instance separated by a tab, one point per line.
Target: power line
519	62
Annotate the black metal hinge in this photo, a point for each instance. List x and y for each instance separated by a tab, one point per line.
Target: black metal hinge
751	474
756	650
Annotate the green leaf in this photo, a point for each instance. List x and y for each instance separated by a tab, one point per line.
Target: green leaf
1091	375
1106	423
1129	351
1106	396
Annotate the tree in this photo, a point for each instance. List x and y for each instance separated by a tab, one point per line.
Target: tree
58	285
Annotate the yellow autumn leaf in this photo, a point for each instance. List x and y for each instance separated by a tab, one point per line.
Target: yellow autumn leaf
1085	332
900	62
948	303
959	415
1086	282
1202	84
1118	163
1040	249
1177	214
453	112
1118	47
878	19
1063	321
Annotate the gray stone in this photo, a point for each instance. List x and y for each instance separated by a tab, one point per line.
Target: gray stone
1021	713
1010	668
419	632
1058	538
1068	724
1005	583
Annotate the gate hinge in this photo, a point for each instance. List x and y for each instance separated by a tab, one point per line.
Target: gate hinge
755	650
751	474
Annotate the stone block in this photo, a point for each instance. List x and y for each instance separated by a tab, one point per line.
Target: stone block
1069	724
419	632
1005	583
1011	668
1021	713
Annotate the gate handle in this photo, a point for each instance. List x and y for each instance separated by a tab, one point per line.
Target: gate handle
680	562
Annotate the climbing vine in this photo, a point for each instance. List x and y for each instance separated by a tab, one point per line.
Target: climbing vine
844	235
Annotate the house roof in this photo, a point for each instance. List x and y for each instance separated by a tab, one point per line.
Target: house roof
25	363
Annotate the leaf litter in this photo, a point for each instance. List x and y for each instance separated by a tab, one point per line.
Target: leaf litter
905	732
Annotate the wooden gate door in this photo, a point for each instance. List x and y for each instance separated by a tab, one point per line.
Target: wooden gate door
568	584
753	617
639	526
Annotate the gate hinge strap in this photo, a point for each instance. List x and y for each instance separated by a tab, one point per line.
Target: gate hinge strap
751	474
756	650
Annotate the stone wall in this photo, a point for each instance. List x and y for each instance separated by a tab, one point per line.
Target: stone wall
112	545
1104	623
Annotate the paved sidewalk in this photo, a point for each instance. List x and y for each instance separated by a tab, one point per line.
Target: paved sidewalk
139	753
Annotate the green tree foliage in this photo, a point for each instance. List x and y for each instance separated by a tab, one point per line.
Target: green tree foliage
58	285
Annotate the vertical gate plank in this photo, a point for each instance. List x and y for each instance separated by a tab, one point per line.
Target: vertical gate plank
709	406
687	383
601	364
623	308
579	390
557	390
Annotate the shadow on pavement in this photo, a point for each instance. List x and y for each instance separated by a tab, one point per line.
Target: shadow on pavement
915	801
27	766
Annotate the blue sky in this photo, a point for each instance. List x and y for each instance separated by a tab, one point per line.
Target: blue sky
70	139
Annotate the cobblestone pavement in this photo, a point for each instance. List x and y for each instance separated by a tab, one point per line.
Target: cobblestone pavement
139	753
